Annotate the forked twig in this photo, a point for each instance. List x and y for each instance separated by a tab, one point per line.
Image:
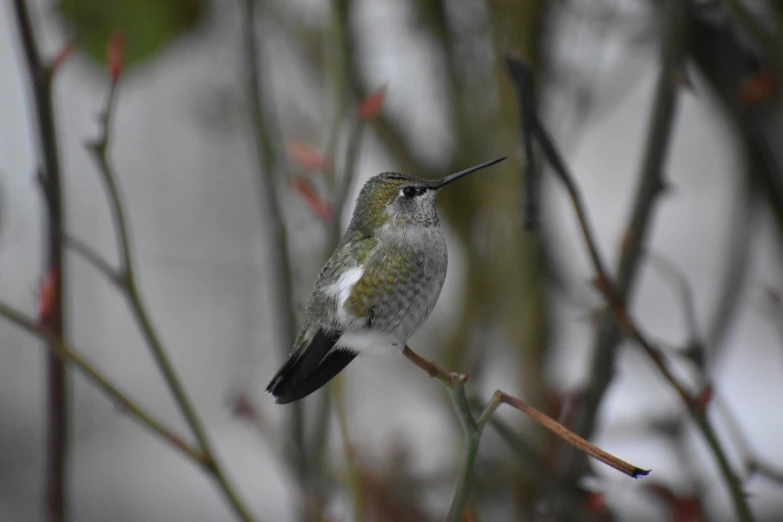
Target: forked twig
455	385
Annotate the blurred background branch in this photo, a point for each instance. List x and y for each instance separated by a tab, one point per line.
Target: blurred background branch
126	278
40	75
65	352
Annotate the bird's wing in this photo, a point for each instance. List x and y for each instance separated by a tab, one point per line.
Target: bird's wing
349	255
388	286
314	362
311	366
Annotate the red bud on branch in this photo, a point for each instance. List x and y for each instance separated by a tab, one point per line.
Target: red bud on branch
595	502
307	157
758	88
314	201
114	55
47	295
371	105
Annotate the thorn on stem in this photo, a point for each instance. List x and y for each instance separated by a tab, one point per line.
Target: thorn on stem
458	378
59	58
242	408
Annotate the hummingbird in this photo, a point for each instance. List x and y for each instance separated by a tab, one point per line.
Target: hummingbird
379	285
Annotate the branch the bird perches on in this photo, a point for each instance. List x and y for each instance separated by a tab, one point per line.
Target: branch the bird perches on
456	381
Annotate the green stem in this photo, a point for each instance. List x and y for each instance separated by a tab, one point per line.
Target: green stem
127	278
473	430
472	438
266	136
730	478
354	475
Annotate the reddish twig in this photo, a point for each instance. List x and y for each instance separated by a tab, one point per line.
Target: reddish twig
40	74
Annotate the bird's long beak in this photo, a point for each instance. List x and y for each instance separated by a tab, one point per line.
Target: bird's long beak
454	177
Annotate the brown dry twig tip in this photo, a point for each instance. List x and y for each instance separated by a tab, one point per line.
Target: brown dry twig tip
569	436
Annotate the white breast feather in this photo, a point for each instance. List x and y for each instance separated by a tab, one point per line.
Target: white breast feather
341	290
366	340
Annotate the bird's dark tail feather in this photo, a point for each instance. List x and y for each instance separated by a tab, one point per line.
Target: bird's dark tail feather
309	368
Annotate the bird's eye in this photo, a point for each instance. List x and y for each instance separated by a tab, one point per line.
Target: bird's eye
409	192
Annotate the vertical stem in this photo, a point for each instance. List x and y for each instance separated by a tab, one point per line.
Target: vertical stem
127	281
125	278
265	132
53	317
730	478
340	186
472	439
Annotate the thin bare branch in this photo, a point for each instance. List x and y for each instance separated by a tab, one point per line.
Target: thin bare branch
571	437
128	286
40	74
267	137
62	350
433	370
93	258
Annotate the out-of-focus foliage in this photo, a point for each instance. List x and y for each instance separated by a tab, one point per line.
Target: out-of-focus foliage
147	26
